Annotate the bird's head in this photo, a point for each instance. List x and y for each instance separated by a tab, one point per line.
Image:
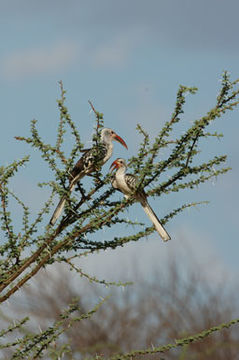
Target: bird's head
107	135
118	163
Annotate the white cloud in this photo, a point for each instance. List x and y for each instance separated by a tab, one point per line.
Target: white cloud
118	51
37	61
47	59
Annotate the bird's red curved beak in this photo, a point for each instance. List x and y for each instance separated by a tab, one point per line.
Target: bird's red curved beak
114	165
120	140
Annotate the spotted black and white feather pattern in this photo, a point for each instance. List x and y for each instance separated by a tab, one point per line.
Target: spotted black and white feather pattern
89	162
131	180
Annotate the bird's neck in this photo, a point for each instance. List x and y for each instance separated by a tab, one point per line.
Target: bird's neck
121	171
108	145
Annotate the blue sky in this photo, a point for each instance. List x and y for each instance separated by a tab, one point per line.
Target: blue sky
129	58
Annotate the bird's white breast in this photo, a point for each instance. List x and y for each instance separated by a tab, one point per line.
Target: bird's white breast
109	152
121	184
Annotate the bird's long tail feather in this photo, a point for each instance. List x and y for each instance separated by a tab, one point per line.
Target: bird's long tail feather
153	217
58	211
61	205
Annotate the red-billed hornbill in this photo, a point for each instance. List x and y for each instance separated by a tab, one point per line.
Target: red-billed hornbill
127	183
92	160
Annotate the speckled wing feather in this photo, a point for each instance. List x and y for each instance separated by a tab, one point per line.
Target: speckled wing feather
89	161
85	165
131	181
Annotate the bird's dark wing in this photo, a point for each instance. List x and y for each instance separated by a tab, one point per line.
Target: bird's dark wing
84	150
131	180
89	161
82	164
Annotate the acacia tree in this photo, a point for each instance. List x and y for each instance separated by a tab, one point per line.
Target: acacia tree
27	250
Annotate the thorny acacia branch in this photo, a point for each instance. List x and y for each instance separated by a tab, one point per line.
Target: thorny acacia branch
25	252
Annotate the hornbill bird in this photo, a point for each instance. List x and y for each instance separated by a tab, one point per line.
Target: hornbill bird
91	161
127	184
